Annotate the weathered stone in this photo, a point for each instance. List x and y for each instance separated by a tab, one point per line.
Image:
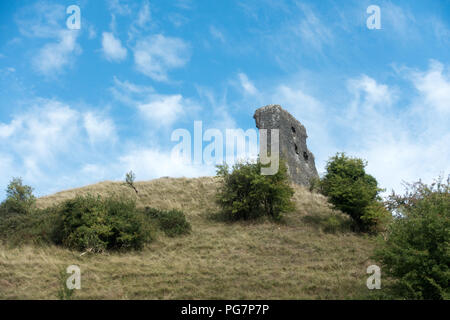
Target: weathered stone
293	149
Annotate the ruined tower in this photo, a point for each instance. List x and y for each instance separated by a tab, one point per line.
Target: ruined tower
293	149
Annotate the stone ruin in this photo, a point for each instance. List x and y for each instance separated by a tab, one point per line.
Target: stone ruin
292	143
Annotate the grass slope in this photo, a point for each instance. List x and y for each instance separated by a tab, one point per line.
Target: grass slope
294	259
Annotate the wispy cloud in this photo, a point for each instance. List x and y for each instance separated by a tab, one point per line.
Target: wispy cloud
161	110
434	87
399	20
144	14
312	30
121	7
47	21
99	128
112	47
155	55
246	84
55	56
217	34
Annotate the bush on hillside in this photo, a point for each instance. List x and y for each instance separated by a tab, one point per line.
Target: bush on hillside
37	227
172	222
351	190
247	194
97	223
20	221
417	251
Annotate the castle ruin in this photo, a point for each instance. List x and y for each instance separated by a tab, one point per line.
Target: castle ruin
292	144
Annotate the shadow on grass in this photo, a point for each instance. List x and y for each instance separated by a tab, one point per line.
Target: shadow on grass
222	217
329	223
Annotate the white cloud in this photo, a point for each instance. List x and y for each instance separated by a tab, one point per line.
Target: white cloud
163	109
403	145
247	84
128	87
144	14
434	87
119	7
49	138
47	21
394	158
6	169
159	109
6	130
371	101
112	47
373	94
54	56
99	129
155	55
41	20
153	163
48	129
36	137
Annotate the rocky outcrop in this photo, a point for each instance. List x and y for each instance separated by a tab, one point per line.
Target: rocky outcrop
292	144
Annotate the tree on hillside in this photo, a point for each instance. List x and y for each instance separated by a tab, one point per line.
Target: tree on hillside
350	189
19	197
129	180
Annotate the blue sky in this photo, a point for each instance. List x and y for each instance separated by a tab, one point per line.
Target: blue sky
82	106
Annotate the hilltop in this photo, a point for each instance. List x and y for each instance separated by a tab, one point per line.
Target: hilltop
294	259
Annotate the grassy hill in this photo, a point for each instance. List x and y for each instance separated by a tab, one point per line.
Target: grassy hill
294	259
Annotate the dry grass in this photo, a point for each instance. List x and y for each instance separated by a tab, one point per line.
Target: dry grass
294	259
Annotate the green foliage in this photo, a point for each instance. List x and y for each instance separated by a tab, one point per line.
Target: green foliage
376	217
36	227
172	222
19	197
329	223
129	180
314	185
97	223
335	224
417	250
247	194
64	293
351	190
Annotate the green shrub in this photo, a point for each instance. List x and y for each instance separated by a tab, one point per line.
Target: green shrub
39	226
417	251
98	223
335	224
247	194
329	223
19	197
171	222
376	217
351	190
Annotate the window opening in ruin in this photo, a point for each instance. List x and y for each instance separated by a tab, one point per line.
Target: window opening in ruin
305	155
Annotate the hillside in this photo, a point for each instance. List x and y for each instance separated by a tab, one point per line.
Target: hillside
295	259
